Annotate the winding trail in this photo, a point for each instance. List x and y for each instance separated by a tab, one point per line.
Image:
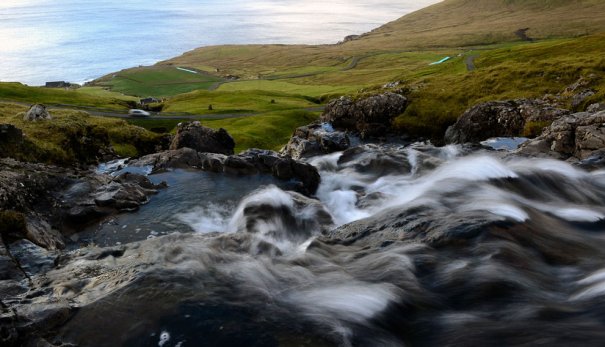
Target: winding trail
470	62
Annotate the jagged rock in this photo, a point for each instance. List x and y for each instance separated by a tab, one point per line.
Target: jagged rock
370	117
315	139
37	112
500	119
172	159
49	201
577	99
580	136
202	139
594	108
250	162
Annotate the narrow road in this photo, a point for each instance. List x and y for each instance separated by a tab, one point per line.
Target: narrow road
178	116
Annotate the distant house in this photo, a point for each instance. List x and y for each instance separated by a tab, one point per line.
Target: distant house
58	84
149	101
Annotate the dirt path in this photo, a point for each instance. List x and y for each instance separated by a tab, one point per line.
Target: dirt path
470	62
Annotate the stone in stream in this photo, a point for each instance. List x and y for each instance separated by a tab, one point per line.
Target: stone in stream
250	162
315	139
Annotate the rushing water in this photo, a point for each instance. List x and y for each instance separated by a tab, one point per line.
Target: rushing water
406	246
78	40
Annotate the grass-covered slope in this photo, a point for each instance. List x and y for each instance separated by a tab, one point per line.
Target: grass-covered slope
448	24
441	93
454	23
83	97
157	81
72	136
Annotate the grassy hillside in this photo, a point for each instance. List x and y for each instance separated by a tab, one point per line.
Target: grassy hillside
58	140
449	24
512	71
78	97
454	23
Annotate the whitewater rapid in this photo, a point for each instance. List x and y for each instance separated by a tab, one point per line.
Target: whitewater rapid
401	246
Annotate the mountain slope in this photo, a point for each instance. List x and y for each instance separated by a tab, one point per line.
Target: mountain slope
451	23
474	22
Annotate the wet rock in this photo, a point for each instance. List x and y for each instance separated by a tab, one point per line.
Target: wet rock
375	159
51	201
42	234
579	136
37	112
315	139
172	159
250	162
239	165
370	117
500	119
202	139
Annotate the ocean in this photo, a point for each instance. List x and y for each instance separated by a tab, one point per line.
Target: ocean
79	40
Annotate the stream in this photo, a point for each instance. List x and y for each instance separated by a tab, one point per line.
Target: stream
405	246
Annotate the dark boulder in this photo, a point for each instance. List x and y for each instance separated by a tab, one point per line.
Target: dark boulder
202	139
501	119
370	117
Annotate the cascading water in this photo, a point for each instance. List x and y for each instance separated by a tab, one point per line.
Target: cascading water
406	246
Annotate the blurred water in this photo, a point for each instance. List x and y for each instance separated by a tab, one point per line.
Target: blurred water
79	40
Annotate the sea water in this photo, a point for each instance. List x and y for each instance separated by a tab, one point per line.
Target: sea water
79	40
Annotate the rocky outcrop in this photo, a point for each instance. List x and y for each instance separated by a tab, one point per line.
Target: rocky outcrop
578	136
370	117
250	162
202	139
50	201
37	112
596	107
315	139
501	119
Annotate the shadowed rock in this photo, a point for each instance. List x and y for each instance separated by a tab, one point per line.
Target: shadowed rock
500	119
202	139
370	117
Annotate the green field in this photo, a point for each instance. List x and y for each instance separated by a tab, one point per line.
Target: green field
83	97
157	81
268	131
236	102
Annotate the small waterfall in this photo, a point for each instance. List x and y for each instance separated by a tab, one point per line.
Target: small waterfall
403	246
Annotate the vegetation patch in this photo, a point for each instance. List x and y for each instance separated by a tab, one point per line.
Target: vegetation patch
157	81
266	131
76	137
218	102
71	97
